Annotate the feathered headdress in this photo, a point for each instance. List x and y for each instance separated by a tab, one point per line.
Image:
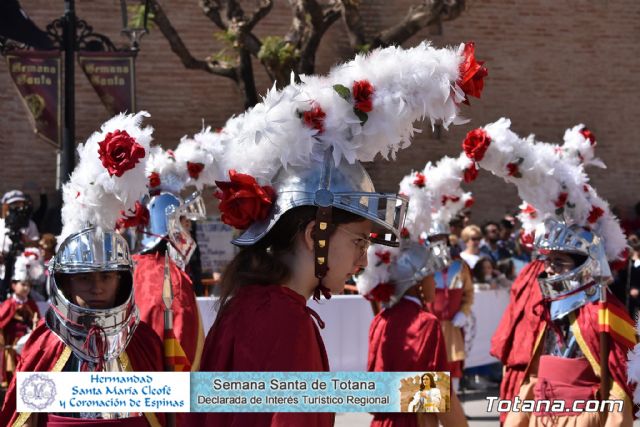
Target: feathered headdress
360	109
28	267
551	184
110	176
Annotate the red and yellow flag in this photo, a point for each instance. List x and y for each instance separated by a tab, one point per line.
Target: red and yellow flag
174	354
614	319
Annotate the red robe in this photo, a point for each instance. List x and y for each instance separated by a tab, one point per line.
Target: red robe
45	352
264	329
514	341
148	278
405	337
12	329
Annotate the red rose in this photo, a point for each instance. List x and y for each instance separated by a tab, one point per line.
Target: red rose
446	198
243	201
475	144
561	200
420	180
588	135
384	256
526	239
194	169
382	292
469	202
472	73
470	173
154	180
531	211
362	92
314	118
513	169
119	152
139	219
594	214
404	233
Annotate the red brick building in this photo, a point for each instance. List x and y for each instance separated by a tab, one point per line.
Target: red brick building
552	64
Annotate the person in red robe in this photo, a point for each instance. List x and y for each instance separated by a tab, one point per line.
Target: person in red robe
45	352
148	277
514	340
405	336
92	324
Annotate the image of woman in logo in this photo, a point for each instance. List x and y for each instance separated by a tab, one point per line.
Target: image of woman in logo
428	398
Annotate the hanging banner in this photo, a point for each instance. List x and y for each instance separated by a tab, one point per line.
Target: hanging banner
112	75
38	77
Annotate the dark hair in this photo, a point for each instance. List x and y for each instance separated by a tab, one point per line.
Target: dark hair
477	272
506	224
506	267
487	224
433	382
261	264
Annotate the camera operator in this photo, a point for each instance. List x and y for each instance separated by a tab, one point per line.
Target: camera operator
17	231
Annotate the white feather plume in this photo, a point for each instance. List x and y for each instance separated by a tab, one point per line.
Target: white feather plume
544	180
376	272
200	150
408	85
28	267
93	197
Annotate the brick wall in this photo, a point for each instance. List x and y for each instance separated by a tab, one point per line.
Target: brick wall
552	64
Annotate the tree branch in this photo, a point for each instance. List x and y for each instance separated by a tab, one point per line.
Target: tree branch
211	9
353	21
321	21
181	50
263	10
418	17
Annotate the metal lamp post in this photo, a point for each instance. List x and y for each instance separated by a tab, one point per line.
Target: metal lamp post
133	26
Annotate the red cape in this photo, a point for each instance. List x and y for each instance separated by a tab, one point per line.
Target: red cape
148	278
264	329
44	349
10	306
405	337
514	341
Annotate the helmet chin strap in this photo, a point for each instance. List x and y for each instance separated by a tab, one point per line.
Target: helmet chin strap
322	232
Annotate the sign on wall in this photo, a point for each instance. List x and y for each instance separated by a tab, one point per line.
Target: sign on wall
214	240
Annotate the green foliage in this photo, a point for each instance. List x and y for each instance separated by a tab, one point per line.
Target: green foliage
275	51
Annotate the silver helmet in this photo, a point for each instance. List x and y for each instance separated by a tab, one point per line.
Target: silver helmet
165	211
438	236
414	263
96	336
583	284
323	184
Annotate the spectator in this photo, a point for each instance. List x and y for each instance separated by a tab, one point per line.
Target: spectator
485	275
627	285
471	236
47	245
455	241
507	268
491	245
16	207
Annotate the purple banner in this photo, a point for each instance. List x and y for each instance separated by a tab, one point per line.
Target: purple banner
112	75
38	77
